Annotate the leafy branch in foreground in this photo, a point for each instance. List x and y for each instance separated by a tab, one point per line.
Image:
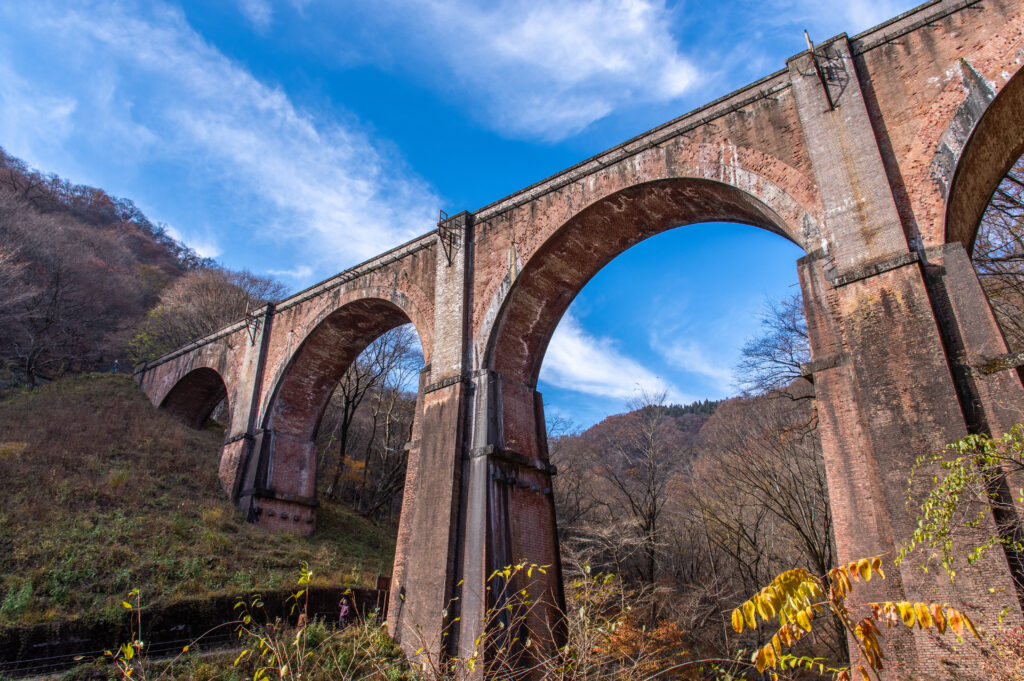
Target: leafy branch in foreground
796	598
132	659
309	649
970	478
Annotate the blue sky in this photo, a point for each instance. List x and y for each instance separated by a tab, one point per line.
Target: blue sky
297	138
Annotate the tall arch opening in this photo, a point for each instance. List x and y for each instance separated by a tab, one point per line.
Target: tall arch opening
985	207
365	434
558	271
995	144
985	213
631	466
195	398
283	485
998	255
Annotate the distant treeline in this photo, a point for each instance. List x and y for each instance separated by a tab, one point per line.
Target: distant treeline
701	407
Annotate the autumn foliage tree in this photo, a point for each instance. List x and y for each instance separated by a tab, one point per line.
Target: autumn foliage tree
198	303
78	269
87	280
792	603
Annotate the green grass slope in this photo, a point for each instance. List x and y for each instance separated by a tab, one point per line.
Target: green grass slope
102	493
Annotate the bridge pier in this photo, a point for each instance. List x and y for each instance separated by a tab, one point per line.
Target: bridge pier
478	498
422	605
509	519
281	488
424	595
884	396
883	364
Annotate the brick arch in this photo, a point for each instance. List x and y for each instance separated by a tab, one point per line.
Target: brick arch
307	380
556	272
279	488
994	145
786	192
194	397
410	305
410	300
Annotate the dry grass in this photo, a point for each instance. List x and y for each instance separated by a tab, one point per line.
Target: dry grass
103	493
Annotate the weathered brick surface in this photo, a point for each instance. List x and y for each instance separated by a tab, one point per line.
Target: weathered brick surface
423	586
890	400
920	118
921	78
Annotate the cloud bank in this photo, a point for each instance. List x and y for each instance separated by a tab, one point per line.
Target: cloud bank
142	77
578	361
538	71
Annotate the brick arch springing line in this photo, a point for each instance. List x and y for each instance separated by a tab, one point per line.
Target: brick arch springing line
994	145
194	397
552	277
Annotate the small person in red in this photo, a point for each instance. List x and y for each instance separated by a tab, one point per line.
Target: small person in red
344	610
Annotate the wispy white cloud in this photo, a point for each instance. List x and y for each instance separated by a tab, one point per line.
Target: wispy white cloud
297	273
29	119
578	361
205	245
259	13
689	356
548	70
329	191
737	41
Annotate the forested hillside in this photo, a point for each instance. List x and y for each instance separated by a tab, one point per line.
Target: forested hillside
696	510
78	270
87	280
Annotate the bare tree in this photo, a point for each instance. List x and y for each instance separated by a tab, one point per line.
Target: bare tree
368	421
638	461
14	289
78	269
772	360
765	452
572	487
761	493
74	288
999	255
391	414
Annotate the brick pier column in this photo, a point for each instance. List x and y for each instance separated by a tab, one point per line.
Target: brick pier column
885	390
422	605
239	446
478	493
509	519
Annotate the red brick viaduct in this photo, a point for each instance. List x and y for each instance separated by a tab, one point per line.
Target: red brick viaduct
877	158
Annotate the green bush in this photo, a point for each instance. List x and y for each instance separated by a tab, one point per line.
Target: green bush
17	600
